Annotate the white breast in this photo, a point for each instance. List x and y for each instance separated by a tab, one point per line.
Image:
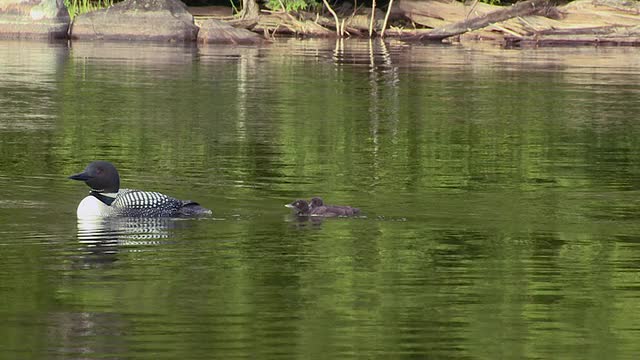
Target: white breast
92	208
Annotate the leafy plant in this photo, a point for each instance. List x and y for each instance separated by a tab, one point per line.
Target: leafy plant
77	7
490	2
291	5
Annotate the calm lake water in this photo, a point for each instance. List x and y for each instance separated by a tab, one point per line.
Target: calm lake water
501	190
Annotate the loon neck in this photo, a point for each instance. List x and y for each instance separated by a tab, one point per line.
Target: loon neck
106	198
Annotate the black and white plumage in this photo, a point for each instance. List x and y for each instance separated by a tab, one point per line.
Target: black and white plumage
136	203
106	199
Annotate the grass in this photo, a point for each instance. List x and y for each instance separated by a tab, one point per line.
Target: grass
78	7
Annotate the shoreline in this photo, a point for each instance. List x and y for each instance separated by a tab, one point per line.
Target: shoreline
532	23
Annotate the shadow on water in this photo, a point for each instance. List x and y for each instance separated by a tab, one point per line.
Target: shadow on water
302	221
81	333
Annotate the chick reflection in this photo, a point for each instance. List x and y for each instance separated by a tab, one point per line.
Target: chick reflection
103	239
304	221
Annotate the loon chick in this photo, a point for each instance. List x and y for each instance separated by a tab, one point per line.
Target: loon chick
318	208
106	199
301	207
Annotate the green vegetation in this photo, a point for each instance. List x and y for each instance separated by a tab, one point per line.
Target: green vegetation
291	5
77	7
295	5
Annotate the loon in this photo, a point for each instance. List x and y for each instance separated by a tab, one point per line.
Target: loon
301	207
317	208
106	199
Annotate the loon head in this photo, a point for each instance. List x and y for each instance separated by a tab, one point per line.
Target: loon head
100	176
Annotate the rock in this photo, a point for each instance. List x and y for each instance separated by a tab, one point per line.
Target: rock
219	32
213	10
159	20
33	19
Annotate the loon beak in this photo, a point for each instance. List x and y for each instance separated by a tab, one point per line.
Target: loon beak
83	176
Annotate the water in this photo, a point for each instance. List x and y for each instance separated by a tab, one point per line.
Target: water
500	190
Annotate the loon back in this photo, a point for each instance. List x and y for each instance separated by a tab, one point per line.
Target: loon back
136	203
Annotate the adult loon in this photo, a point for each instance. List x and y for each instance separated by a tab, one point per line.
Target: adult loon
106	199
317	208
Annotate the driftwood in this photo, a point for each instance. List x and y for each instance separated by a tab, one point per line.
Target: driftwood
434	13
520	9
219	32
386	18
284	23
250	9
339	30
350	28
601	36
584	22
530	23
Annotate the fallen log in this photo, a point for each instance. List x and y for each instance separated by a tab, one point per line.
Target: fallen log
219	32
437	13
284	23
520	9
629	7
350	30
576	40
601	36
406	33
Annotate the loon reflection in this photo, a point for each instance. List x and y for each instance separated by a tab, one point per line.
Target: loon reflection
103	239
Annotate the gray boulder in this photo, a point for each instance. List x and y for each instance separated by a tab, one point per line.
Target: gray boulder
218	32
33	19
158	20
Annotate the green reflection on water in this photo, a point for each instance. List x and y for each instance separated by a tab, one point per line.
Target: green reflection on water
499	188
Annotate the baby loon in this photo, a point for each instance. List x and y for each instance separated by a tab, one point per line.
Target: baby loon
107	199
301	207
318	208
